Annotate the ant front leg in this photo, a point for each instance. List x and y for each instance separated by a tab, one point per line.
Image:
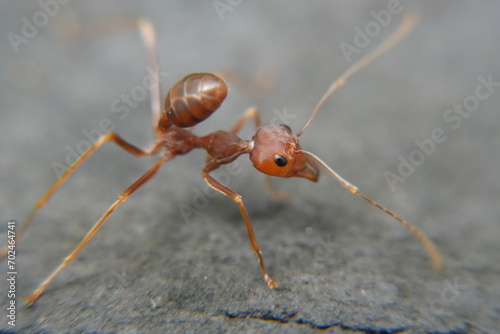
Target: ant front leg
248	115
210	166
251	112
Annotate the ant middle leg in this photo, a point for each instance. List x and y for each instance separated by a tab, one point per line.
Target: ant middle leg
122	198
210	166
257	86
148	37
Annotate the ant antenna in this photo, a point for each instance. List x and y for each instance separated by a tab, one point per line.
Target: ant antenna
437	262
406	26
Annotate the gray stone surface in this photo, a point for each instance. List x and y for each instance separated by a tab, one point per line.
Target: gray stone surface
343	265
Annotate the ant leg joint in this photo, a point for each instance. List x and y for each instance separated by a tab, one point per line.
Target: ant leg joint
238	199
353	188
67	260
270	282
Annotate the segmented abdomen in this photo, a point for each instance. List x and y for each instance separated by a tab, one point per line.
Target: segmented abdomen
194	99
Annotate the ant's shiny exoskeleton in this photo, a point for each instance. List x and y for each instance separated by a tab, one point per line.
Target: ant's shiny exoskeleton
274	150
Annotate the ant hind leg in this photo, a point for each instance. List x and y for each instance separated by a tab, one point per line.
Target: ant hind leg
91	150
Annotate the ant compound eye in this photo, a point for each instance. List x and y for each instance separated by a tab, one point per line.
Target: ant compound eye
286	127
280	160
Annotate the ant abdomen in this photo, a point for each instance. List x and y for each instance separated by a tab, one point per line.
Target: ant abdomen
194	99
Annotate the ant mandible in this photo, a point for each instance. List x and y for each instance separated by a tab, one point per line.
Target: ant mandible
274	150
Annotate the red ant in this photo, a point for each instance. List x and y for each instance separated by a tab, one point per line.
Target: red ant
273	150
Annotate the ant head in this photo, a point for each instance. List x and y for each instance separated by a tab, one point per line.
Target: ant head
276	152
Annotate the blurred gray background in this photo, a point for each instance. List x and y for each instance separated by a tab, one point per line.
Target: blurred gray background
343	265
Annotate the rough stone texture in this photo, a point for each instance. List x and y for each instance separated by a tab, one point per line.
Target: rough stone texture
343	265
